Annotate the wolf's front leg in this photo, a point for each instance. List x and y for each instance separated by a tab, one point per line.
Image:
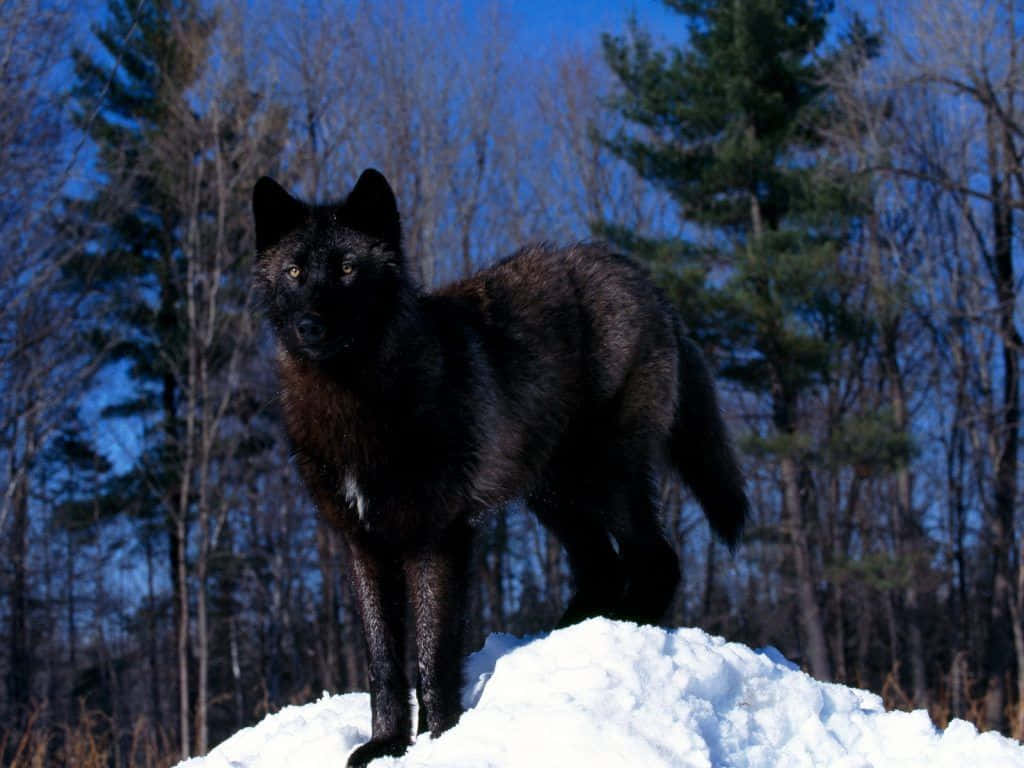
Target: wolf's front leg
378	584
437	587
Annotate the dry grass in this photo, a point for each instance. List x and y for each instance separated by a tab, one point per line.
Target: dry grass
940	708
87	743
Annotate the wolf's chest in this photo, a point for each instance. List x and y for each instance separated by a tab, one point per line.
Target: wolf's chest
353	497
382	463
362	473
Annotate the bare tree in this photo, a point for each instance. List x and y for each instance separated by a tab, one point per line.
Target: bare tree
972	63
938	124
44	363
217	152
593	185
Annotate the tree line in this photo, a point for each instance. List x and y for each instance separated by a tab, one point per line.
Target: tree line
832	201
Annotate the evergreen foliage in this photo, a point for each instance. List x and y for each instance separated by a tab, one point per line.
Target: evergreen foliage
866	324
730	126
129	93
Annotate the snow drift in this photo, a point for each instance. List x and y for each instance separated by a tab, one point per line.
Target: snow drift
607	693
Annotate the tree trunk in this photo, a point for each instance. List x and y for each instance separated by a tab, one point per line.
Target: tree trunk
19	673
155	710
330	621
494	577
839	634
998	652
202	654
236	675
181	645
807	600
956	463
907	530
794	493
1016	617
910	547
69	571
709	581
353	647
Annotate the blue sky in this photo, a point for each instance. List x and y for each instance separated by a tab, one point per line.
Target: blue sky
582	22
539	23
535	26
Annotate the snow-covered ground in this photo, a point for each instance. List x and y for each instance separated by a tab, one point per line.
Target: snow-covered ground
606	693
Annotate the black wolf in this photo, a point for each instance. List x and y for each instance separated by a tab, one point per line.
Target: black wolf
559	376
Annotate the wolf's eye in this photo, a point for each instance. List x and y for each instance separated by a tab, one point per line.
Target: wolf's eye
293	272
347	269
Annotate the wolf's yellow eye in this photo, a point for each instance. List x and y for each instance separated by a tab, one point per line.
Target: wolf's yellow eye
293	272
347	269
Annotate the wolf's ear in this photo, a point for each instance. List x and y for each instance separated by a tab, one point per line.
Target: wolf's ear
275	212
371	208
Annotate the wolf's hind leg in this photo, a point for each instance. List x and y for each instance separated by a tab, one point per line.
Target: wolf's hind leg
649	562
652	569
597	573
635	450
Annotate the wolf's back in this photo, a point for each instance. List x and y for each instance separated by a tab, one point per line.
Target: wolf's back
632	321
596	333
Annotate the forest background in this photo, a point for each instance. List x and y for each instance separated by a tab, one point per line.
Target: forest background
831	195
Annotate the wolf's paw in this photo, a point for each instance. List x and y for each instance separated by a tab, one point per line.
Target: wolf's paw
375	748
588	603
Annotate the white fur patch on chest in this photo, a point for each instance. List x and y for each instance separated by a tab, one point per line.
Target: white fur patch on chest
354	496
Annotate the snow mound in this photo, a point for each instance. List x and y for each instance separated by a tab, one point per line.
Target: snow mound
606	693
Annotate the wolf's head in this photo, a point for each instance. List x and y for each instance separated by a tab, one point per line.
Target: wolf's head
331	277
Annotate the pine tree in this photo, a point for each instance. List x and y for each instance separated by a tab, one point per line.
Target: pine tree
128	95
729	126
182	130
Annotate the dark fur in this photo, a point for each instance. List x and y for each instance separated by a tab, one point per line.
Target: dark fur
558	376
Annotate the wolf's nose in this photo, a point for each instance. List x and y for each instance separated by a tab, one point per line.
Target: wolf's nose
310	329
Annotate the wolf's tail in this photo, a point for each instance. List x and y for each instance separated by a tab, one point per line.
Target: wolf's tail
701	450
